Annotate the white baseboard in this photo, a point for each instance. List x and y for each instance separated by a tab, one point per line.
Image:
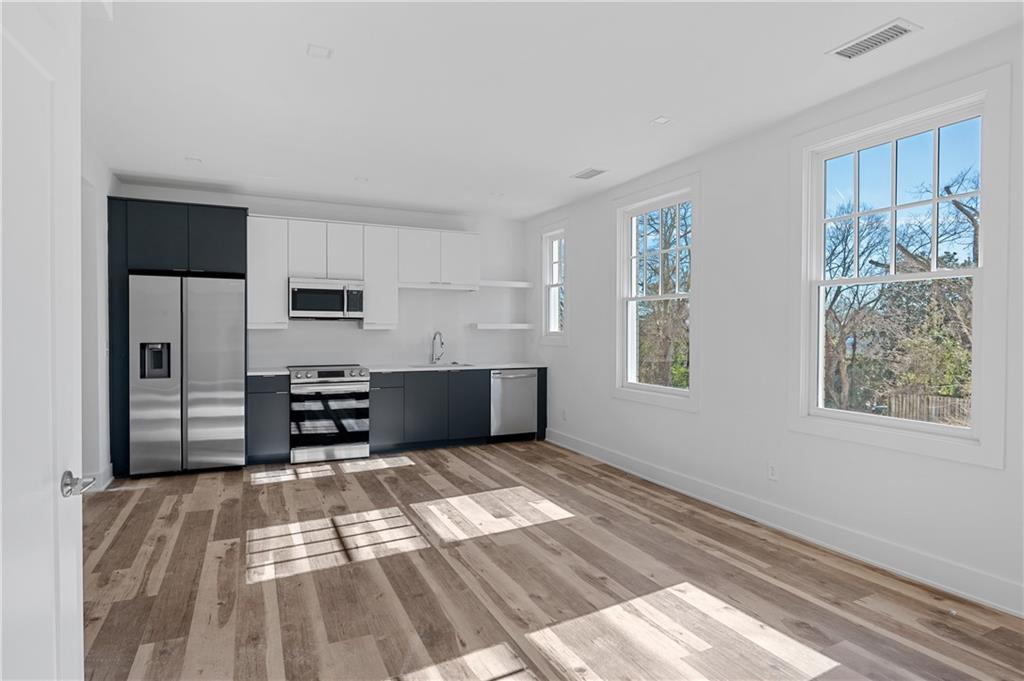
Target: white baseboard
103	477
962	580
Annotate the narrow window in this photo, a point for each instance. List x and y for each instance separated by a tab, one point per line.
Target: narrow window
554	283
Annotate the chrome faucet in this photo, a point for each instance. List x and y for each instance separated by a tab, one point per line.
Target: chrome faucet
435	355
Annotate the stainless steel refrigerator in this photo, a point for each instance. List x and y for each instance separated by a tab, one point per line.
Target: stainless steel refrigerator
186	391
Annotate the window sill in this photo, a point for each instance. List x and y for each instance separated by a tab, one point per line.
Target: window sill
950	444
681	400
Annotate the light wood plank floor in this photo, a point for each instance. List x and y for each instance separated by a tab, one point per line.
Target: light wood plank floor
514	561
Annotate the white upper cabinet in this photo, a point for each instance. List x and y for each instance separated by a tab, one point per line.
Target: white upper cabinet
267	273
307	249
419	256
380	297
344	251
460	259
434	259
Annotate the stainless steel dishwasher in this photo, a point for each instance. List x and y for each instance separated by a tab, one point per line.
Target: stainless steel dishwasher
513	401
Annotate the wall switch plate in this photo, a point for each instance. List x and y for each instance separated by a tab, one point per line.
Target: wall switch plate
773	472
564	417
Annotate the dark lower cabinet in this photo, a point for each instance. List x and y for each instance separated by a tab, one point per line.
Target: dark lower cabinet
426	406
387	417
156	236
469	404
216	239
267	423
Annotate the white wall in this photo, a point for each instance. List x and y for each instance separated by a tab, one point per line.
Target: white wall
98	182
421	312
954	525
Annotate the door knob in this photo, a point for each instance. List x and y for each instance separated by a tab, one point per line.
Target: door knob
70	485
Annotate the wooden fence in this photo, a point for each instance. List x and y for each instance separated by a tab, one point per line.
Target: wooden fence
935	408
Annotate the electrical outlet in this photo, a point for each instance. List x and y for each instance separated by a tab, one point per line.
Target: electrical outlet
773	472
564	416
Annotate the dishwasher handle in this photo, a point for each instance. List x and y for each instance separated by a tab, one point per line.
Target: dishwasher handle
503	374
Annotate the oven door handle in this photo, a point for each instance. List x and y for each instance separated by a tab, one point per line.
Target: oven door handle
330	389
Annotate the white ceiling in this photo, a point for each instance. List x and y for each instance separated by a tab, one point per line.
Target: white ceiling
477	108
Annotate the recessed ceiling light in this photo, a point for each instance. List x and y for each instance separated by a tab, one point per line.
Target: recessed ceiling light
588	173
318	51
661	120
359	178
193	159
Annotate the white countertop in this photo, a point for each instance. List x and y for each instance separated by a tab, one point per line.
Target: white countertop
279	371
387	368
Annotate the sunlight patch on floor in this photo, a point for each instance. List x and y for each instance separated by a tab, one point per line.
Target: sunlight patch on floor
476	515
497	662
286	474
680	632
305	546
362	465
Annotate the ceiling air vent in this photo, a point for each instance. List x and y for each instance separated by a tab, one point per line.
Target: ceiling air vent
588	173
874	39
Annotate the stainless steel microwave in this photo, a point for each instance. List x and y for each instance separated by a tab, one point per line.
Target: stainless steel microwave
324	299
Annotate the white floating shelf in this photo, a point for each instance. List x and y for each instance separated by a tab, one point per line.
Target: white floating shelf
502	326
505	283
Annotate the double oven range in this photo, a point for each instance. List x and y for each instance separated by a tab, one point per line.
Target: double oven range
330	412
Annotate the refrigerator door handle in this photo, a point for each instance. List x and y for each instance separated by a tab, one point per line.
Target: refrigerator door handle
184	373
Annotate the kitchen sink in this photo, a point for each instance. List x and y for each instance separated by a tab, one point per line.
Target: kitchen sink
441	365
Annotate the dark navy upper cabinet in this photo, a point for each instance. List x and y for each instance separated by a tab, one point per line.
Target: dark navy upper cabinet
156	236
176	237
216	239
426	406
469	404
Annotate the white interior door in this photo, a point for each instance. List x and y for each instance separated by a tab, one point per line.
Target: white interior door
40	342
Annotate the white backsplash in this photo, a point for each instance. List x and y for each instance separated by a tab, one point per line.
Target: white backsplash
421	313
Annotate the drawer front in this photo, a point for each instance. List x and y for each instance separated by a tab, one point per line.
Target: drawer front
389	379
267	384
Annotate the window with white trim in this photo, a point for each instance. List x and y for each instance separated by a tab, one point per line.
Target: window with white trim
657	298
554	283
899	248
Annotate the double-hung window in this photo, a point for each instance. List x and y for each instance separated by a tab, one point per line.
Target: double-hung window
906	233
655	344
901	234
554	284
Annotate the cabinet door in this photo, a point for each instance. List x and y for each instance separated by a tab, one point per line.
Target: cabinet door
216	239
344	251
426	406
469	404
419	256
156	236
307	249
267	428
387	418
380	297
267	277
460	259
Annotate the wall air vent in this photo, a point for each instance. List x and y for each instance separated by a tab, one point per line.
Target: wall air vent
874	39
588	173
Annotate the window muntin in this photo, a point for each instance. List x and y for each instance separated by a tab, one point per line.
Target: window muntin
658	297
897	261
554	283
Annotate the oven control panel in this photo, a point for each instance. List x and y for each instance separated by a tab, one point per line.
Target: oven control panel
336	373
